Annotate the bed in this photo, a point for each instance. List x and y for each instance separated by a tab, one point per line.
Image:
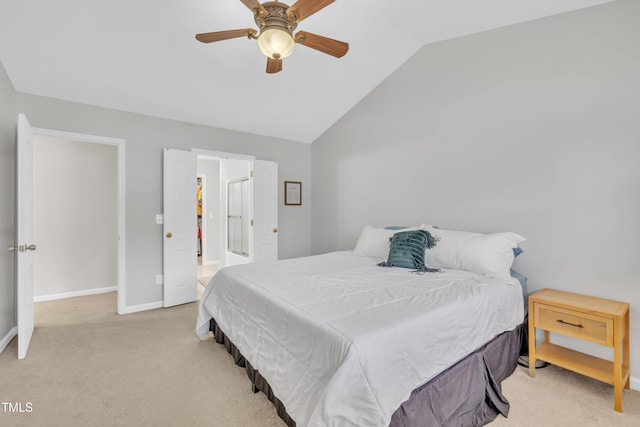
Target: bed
336	340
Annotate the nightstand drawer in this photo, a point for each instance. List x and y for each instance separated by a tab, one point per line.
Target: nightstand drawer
574	324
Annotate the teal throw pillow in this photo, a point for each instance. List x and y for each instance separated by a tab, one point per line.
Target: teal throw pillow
407	250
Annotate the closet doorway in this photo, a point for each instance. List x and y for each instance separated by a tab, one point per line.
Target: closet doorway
207	200
213	174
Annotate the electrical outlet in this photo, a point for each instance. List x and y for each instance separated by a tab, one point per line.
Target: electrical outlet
159	279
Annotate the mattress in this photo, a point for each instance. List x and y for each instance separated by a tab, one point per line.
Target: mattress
342	341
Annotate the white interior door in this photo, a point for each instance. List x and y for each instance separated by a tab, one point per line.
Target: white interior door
264	212
24	235
180	227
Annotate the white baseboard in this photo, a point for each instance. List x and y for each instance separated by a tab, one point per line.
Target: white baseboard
4	342
211	262
142	307
83	293
634	383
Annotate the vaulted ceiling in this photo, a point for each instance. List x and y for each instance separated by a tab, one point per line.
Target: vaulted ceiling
141	55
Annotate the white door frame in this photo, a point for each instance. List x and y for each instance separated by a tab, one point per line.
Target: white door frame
120	204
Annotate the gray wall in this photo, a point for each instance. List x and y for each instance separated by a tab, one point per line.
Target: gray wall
8	123
145	137
75	211
533	128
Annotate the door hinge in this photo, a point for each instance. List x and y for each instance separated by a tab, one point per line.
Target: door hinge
252	223
251	174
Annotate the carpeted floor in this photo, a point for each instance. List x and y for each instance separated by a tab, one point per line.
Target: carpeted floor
87	366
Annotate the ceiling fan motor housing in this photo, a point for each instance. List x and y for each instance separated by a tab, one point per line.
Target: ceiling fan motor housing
276	17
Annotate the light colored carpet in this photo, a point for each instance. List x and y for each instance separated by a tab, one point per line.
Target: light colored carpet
560	398
87	366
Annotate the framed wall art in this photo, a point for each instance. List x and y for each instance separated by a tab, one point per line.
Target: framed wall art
292	193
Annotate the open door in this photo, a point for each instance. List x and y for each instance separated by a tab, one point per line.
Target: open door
180	227
24	246
264	211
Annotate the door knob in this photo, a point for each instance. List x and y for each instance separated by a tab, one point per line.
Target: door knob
169	235
22	248
275	230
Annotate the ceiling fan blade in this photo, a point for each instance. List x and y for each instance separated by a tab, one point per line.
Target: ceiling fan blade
323	44
224	35
255	6
303	9
274	65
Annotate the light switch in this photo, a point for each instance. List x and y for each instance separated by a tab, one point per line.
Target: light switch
159	219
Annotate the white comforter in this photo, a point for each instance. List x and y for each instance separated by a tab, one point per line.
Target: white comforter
343	342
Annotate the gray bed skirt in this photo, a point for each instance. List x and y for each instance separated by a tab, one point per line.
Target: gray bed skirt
467	394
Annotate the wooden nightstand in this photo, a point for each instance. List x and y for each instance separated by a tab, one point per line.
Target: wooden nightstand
597	320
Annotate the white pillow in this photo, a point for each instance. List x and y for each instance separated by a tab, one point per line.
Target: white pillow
374	242
487	254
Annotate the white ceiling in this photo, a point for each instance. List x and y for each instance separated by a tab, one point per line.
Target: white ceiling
141	55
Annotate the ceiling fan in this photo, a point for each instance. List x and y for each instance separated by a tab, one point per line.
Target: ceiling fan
277	22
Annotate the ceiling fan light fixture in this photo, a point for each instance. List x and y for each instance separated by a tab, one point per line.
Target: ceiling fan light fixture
276	42
277	22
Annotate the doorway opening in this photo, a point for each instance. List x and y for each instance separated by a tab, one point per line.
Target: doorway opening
79	217
214	171
208	263
180	255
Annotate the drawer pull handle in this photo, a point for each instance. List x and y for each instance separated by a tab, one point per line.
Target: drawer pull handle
577	325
